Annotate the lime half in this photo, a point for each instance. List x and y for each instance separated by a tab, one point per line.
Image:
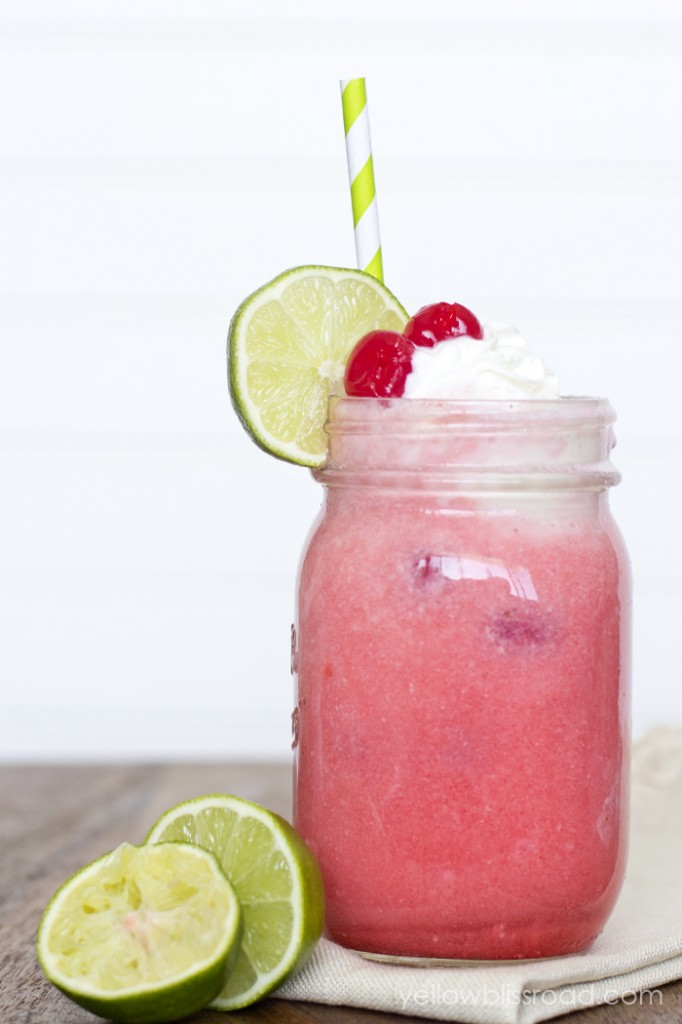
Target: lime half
275	877
143	934
287	349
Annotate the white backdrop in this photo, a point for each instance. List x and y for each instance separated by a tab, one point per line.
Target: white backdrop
160	159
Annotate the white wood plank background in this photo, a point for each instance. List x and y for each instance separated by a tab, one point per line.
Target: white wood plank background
158	161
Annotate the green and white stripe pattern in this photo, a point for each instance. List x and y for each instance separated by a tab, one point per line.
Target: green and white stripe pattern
361	176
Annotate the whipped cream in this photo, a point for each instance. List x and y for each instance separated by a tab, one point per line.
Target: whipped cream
497	366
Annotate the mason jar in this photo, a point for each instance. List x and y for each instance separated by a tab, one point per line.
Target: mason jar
461	655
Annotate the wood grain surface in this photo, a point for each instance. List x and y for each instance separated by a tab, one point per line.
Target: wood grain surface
55	819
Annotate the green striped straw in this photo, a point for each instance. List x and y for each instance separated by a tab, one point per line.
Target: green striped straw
361	176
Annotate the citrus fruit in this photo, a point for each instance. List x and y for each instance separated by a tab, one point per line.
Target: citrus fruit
143	934
275	877
287	348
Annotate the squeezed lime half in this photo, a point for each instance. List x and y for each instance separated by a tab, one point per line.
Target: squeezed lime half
144	934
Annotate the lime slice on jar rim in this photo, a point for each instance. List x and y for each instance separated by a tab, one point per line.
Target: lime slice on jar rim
144	934
287	348
276	878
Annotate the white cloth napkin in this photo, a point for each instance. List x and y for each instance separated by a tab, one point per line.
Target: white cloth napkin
640	948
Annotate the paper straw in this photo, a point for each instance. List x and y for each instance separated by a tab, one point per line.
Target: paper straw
361	177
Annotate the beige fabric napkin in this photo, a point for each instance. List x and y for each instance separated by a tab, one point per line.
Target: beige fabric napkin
640	948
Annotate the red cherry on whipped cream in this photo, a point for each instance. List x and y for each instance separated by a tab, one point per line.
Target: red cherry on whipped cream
440	321
378	365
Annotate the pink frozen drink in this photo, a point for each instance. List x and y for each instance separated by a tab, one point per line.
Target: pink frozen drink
462	655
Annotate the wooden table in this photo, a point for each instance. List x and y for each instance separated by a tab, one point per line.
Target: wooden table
55	819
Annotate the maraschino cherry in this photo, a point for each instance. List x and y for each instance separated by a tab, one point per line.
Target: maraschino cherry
378	365
380	362
440	321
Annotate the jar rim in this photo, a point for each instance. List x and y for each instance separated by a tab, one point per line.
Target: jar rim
353	413
461	443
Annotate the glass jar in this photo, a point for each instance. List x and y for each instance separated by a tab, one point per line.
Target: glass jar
461	652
